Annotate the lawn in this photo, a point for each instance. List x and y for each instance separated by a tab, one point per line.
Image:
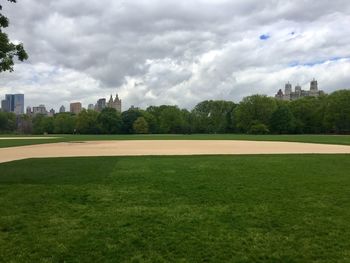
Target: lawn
328	139
290	208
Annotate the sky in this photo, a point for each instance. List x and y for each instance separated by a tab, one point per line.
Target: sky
154	52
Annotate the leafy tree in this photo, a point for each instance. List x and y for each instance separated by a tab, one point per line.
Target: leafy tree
151	120
87	122
140	126
43	124
8	50
213	116
252	110
337	116
309	114
110	121
128	119
7	122
282	120
258	128
171	120
64	123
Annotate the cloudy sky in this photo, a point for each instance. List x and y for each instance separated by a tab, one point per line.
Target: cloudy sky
155	52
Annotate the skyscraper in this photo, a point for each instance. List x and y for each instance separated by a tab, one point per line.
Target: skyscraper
13	103
101	104
75	107
91	107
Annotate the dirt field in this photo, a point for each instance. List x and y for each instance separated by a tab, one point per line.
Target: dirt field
168	147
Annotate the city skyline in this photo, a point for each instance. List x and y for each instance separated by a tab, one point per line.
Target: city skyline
15	103
165	52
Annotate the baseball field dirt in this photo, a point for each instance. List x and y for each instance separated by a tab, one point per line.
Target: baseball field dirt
166	147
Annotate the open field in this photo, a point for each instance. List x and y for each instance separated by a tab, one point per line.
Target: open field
284	208
164	147
326	139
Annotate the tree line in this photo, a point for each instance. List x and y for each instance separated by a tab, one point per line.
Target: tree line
256	114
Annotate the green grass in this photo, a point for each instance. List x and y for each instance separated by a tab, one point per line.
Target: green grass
327	139
290	208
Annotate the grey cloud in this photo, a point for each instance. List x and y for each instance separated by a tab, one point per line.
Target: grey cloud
177	52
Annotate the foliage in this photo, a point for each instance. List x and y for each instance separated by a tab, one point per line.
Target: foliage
64	123
8	50
309	114
171	120
110	121
258	128
140	126
7	122
252	110
337	116
87	122
214	116
176	209
282	120
128	119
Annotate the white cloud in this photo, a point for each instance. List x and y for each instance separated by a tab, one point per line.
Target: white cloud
155	52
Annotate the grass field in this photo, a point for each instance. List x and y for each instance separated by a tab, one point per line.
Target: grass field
328	139
290	208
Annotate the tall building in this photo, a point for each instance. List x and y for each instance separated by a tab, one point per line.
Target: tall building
4	106
62	109
100	105
13	103
41	109
116	103
289	94
91	107
75	107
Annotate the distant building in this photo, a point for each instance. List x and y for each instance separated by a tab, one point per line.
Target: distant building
91	107
62	109
4	106
115	104
100	105
51	113
29	110
298	93
41	109
13	103
75	107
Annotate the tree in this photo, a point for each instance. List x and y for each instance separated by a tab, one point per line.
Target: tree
128	119
8	50
7	122
252	110
309	114
64	123
43	124
282	120
87	122
140	126
337	116
110	121
258	128
213	116
171	120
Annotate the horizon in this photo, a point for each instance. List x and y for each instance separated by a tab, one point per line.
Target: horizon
85	106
